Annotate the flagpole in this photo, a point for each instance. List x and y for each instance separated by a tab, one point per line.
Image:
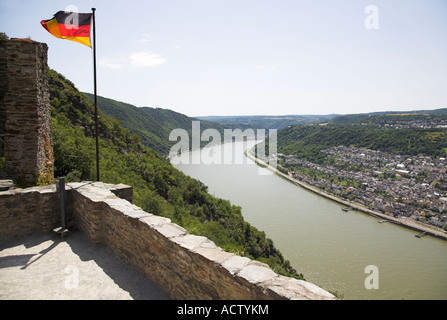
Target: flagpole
96	97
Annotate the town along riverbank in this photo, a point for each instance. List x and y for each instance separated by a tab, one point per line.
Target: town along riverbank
332	248
402	221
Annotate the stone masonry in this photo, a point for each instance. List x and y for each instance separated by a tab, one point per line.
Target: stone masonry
185	266
25	122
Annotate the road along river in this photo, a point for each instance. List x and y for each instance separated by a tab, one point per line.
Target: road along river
348	252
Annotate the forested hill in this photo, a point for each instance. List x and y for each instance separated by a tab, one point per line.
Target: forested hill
159	188
307	141
269	122
376	118
153	125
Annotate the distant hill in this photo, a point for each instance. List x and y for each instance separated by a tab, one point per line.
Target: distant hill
270	122
283	121
153	125
441	112
307	141
388	116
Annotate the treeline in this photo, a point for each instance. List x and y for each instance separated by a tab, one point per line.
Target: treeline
154	125
269	122
387	118
307	141
159	188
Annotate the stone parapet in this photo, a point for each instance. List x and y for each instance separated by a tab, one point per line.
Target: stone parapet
186	266
26	211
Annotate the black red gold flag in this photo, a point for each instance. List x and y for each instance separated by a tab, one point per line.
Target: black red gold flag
76	27
71	26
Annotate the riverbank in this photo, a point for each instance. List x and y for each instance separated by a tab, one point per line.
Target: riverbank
403	221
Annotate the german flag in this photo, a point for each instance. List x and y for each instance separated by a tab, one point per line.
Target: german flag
70	25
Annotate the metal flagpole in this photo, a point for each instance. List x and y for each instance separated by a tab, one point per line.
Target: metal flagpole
95	92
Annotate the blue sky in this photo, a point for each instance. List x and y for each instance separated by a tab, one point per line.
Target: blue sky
248	57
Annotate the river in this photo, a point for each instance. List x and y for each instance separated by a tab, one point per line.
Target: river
332	248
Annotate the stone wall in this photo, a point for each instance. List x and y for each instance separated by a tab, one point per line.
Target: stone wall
26	211
25	123
184	265
3	89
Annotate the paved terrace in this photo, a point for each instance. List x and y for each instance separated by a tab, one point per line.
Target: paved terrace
47	267
115	250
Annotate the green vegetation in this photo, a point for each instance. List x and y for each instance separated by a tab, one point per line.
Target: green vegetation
390	117
159	188
269	122
153	125
306	141
317	174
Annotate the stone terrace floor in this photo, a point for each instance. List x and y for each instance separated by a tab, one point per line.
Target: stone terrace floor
48	267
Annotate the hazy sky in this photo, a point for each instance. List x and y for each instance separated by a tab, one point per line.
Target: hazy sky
246	57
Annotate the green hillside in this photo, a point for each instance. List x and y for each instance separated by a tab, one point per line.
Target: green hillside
159	188
153	125
390	117
306	141
269	122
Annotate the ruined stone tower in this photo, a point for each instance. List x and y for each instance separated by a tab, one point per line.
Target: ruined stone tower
25	121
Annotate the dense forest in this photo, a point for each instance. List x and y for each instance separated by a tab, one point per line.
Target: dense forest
153	125
159	188
378	118
269	122
306	141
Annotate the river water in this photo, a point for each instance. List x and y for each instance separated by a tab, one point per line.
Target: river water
332	248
